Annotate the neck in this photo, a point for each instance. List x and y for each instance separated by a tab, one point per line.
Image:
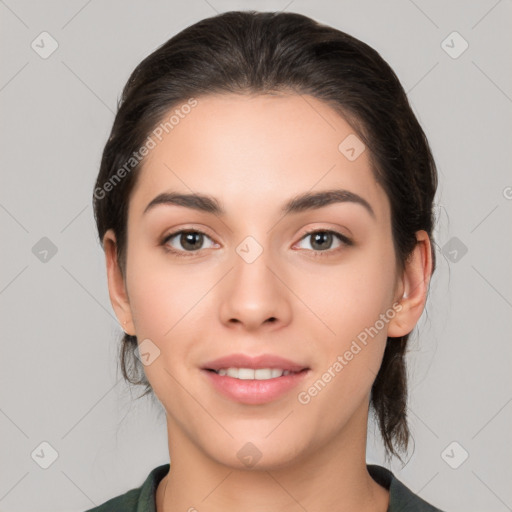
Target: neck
331	477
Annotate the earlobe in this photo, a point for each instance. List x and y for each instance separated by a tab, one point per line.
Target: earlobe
416	279
116	284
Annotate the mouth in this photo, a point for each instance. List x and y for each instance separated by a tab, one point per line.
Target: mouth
254	380
254	373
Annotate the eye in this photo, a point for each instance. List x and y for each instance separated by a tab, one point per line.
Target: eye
322	239
191	240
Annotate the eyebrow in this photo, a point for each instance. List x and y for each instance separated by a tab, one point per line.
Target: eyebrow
300	203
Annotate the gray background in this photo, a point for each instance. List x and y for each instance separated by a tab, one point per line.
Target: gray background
59	382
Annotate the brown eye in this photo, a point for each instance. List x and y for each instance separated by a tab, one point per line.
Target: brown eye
322	240
185	241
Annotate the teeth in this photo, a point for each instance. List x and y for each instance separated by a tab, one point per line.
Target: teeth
232	372
252	374
243	373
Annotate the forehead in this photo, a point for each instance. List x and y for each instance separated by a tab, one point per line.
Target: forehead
256	151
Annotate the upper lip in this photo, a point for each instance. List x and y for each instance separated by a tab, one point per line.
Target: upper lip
255	362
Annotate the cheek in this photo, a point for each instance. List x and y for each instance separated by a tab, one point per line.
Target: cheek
154	304
170	305
350	360
160	293
353	303
350	297
156	309
161	303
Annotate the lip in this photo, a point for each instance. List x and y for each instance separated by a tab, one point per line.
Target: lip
255	362
253	391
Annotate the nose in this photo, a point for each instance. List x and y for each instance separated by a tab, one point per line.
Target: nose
254	295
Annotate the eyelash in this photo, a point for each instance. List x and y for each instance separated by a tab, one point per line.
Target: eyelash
346	242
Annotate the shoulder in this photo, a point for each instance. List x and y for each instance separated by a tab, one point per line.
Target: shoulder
401	498
139	499
126	502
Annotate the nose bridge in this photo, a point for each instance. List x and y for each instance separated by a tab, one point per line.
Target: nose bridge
252	275
253	293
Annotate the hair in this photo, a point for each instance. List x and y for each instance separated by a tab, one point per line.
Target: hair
249	52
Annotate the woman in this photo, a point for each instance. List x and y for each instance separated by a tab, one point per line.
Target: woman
265	203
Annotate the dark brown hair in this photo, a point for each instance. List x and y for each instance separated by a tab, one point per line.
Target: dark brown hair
249	52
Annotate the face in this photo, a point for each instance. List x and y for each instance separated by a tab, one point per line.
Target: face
248	281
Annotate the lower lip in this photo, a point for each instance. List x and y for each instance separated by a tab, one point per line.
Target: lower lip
254	391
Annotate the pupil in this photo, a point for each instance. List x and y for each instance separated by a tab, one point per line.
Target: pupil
187	239
322	236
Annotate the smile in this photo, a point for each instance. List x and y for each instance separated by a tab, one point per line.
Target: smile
255	386
253	374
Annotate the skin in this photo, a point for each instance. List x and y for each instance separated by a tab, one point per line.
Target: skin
254	153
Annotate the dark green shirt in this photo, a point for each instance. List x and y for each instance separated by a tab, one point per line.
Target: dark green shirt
142	499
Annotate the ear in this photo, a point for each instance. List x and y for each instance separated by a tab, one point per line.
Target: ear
116	284
413	289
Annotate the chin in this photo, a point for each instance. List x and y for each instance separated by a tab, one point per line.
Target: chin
254	453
